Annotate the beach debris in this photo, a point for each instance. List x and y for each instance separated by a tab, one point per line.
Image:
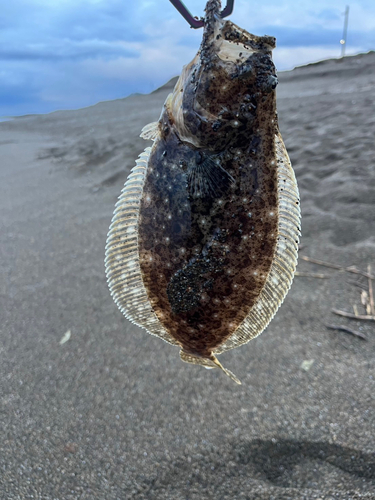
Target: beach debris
367	297
350	269
364	302
203	244
367	301
311	275
307	364
355	309
70	448
65	337
365	317
346	329
370	307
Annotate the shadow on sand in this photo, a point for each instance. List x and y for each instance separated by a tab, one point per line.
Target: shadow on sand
259	466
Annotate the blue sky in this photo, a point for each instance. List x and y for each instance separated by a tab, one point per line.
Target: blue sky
67	54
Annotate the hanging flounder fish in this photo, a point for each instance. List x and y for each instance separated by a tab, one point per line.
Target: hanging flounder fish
203	244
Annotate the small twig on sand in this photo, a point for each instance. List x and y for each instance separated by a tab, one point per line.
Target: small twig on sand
353	316
350	269
365	301
370	291
311	275
347	330
358	284
321	263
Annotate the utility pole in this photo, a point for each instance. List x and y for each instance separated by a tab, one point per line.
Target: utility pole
345	32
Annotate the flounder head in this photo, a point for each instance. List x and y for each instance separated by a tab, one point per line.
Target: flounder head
220	94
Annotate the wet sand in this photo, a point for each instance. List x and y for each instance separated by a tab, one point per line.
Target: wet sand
113	413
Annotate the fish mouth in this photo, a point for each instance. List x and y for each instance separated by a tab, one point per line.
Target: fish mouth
225	43
217	94
223	38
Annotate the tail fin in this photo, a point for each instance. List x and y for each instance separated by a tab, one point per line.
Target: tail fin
211	362
227	372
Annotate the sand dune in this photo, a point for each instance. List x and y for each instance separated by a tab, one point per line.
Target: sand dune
113	413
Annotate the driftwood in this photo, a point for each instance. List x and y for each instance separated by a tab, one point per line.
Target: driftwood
350	269
311	275
370	292
353	316
367	298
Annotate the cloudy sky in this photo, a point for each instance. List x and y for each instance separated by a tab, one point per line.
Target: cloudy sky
67	54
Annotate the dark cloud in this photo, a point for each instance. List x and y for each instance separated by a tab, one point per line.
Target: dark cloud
64	54
68	49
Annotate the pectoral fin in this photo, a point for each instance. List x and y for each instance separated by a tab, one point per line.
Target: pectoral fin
208	178
151	131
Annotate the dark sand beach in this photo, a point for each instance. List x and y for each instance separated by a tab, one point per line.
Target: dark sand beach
113	413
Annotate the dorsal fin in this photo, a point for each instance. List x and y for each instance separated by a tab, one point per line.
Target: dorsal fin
123	270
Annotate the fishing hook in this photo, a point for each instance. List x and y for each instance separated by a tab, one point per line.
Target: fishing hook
193	21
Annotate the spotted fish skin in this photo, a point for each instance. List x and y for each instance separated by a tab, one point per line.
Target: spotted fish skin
215	211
